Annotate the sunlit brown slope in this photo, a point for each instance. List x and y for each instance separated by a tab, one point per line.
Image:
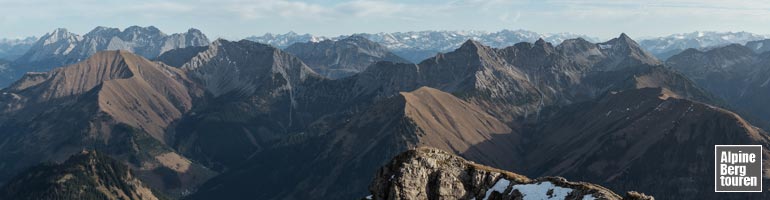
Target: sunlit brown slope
448	122
131	89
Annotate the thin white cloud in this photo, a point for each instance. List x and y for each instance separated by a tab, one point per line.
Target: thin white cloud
593	17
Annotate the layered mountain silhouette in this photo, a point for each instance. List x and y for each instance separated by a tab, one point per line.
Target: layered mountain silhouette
254	121
62	47
483	83
11	49
88	175
416	46
734	73
342	58
665	47
759	46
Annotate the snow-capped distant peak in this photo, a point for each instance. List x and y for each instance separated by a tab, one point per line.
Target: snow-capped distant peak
440	41
671	44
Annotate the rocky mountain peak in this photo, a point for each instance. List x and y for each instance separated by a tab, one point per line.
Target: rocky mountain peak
623	41
624	52
419	173
139	29
245	67
102	31
194	31
470	45
624	36
578	47
342	58
544	46
59	34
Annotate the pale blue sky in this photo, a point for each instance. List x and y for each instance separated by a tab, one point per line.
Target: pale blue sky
235	19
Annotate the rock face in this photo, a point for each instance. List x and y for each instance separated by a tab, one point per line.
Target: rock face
254	92
178	57
60	47
88	175
342	58
428	173
665	47
734	73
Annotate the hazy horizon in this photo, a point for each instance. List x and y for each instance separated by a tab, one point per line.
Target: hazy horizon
237	19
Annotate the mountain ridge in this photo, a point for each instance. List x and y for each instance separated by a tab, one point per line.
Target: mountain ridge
61	47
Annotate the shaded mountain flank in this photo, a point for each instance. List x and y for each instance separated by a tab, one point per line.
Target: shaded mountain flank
265	125
87	175
429	173
734	73
641	139
342	58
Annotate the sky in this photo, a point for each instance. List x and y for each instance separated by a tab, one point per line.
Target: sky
236	19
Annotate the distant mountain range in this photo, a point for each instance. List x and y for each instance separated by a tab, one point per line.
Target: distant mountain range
10	49
416	46
665	47
61	47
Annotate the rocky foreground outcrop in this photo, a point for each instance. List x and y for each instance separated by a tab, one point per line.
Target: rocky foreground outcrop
428	173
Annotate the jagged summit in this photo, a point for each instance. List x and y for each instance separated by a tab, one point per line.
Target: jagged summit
246	67
470	44
61	48
624	36
624	52
414	173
